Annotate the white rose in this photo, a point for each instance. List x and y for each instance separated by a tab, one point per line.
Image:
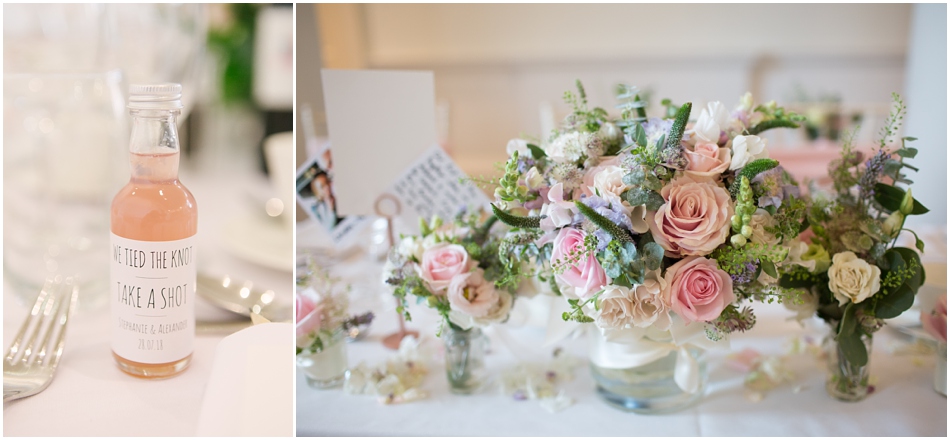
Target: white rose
616	307
706	128
745	149
760	220
852	279
533	178
610	181
650	308
519	145
804	306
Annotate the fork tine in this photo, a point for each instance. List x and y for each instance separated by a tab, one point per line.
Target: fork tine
73	294
30	347
61	303
18	340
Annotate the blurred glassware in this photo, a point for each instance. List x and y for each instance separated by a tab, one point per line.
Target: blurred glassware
150	43
64	137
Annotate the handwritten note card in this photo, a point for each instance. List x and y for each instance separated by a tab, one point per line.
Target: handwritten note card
435	185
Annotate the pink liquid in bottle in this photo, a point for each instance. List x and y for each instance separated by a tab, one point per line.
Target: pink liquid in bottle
154	220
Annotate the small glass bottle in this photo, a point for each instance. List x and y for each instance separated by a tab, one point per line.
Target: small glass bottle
154	220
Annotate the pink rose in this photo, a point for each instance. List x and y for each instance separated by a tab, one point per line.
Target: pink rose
695	218
308	313
441	263
698	289
585	275
935	322
707	159
471	294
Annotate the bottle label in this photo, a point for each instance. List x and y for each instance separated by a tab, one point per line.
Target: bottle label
152	285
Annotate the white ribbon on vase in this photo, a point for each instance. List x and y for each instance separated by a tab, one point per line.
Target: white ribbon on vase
635	347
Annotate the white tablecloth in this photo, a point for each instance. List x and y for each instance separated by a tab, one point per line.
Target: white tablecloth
903	404
89	396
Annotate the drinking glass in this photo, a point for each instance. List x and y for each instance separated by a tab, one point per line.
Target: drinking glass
64	156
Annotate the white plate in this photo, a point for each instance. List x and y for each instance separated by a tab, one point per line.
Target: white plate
260	240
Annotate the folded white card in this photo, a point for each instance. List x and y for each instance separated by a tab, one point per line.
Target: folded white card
251	390
379	122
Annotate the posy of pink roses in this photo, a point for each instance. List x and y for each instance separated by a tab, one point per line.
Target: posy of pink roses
455	269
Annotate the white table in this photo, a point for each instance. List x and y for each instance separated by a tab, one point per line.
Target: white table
904	402
90	396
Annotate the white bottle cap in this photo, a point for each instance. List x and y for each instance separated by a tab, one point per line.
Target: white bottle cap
155	96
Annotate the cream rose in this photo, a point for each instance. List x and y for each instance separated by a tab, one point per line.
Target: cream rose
695	218
707	159
616	307
610	181
745	149
651	306
852	279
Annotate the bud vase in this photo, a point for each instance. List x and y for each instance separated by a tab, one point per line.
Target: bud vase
464	359
648	388
326	368
846	382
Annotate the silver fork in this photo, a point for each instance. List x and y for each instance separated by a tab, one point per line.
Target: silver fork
30	363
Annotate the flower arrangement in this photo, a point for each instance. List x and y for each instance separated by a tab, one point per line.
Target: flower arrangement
850	271
454	269
321	313
649	224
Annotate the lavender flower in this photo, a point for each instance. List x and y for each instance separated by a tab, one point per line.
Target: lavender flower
525	163
874	167
747	273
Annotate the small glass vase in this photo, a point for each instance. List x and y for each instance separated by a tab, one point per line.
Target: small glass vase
846	382
940	369
650	388
465	359
327	368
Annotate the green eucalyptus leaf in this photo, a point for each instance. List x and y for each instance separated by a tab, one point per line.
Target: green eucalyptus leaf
635	177
639	136
894	303
907	152
536	152
639	196
889	197
652	255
